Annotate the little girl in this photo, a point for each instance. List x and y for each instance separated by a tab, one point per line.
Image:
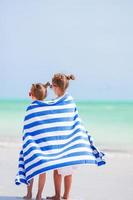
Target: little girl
54	139
38	92
60	83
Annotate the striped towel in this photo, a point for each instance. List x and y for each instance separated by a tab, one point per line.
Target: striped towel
54	137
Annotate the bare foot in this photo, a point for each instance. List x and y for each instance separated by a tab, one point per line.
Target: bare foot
39	197
54	198
50	197
65	198
28	196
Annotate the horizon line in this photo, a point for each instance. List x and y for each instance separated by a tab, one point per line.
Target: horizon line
77	100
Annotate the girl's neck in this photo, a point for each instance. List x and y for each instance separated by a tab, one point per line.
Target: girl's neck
34	99
61	94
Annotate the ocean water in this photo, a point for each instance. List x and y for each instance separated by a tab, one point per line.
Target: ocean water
109	123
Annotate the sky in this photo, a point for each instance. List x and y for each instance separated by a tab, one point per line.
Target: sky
92	39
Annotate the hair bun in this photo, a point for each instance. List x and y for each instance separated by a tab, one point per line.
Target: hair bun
47	84
71	77
36	85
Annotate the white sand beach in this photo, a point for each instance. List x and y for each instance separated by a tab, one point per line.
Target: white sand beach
111	182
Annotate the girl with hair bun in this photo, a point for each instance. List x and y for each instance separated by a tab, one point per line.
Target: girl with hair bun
60	84
38	92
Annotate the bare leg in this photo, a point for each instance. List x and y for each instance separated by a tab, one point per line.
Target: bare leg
67	186
57	186
57	183
29	190
41	183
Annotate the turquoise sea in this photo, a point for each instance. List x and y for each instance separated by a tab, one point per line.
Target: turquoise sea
109	123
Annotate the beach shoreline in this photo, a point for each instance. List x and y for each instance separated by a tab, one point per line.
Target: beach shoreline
112	181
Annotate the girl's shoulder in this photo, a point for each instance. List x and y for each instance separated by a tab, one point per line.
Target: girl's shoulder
33	104
66	98
70	97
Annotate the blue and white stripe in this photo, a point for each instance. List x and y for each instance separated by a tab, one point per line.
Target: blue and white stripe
54	137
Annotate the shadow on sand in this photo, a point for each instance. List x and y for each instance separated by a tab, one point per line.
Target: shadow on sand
12	198
20	198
